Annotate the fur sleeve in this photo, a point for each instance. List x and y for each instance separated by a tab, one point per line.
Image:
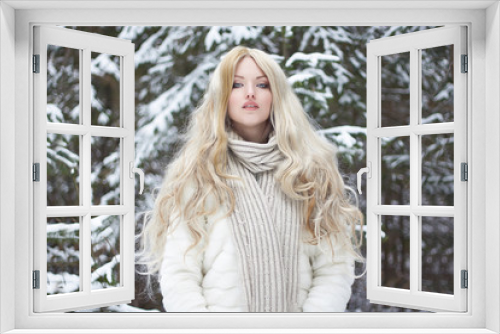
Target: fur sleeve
181	273
331	281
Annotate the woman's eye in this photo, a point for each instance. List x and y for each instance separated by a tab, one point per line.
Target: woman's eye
237	85
263	85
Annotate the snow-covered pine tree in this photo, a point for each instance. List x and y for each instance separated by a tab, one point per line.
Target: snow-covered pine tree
326	67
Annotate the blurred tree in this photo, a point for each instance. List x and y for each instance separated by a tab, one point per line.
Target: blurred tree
326	66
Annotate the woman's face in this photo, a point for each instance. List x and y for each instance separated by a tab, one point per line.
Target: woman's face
251	98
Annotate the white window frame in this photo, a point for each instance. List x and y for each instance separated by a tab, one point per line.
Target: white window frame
86	43
413	43
16	21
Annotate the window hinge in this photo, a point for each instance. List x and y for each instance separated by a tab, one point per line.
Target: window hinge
464	171
36	279
465	279
36	172
465	64
36	63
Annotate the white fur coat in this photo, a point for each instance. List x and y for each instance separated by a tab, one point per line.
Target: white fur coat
209	280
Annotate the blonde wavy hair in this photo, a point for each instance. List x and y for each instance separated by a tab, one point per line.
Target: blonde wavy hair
198	173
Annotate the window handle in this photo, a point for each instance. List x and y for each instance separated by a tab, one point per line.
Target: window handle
139	171
368	171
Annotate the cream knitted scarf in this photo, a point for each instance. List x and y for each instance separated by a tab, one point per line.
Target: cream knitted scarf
265	227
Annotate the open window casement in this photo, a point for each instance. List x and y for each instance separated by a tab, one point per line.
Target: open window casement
83	170
417	166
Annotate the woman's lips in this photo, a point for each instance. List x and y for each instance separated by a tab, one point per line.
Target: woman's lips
250	106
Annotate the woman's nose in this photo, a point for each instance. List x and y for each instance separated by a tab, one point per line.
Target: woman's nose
250	91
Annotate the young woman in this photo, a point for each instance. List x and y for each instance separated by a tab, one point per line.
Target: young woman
253	214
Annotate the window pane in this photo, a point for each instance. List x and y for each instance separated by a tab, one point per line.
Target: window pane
63	85
437	170
395	170
105	263
437	84
395	83
63	165
105	106
105	171
437	254
395	266
63	255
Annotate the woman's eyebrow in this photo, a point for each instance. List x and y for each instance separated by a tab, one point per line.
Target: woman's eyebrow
242	77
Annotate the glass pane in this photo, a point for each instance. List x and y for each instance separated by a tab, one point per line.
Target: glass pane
105	262
395	84
395	170
63	170
437	170
395	266
105	171
63	255
63	85
105	90
437	254
437	84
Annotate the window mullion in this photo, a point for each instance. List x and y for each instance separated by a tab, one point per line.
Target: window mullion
418	135
85	253
105	210
78	129
419	129
82	169
127	157
414	171
421	211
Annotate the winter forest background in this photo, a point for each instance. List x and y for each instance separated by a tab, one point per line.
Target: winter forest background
326	67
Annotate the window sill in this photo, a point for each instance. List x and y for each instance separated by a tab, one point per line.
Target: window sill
257	331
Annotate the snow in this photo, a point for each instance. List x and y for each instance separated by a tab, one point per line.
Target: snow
105	271
173	66
239	33
65	228
446	93
213	36
54	114
131	32
103	64
312	58
148	52
62	283
344	135
300	77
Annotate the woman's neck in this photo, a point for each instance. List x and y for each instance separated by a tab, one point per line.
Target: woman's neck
258	134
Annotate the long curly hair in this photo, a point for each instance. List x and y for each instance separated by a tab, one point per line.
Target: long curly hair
195	182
